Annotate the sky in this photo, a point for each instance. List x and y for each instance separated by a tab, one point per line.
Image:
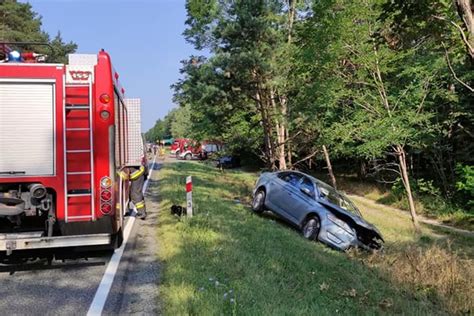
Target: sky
143	37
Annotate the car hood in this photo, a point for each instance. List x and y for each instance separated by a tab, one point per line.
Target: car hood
358	220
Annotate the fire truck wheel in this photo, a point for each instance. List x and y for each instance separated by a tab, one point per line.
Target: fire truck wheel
188	157
117	239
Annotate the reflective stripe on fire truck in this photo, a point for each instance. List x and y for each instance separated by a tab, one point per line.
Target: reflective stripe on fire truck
140	205
136	174
123	175
133	176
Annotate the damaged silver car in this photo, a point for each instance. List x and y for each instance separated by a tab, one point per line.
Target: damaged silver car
321	212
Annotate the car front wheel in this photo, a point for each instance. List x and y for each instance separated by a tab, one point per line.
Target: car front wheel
311	228
258	201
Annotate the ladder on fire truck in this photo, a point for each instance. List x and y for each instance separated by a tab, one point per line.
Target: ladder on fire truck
79	153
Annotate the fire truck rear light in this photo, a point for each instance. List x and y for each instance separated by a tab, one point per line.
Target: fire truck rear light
106	208
104	98
105	195
104	115
105	182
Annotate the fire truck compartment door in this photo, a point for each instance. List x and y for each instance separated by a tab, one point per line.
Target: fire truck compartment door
27	128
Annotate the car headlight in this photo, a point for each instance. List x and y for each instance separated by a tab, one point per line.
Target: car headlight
340	223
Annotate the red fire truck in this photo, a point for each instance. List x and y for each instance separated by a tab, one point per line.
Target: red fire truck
197	150
63	140
179	145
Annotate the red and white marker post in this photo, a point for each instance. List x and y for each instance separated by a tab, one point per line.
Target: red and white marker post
189	196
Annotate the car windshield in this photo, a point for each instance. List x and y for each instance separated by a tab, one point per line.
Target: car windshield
330	194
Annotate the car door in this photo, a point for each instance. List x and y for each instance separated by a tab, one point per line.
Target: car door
279	192
288	185
296	203
306	199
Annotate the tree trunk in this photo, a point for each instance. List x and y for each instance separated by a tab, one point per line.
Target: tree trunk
281	154
283	99
362	171
291	17
436	158
406	183
266	130
466	14
328	163
289	152
280	129
281	151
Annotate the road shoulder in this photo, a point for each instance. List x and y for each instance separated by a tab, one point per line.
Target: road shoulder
135	289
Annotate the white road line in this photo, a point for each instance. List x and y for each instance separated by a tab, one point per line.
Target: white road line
105	285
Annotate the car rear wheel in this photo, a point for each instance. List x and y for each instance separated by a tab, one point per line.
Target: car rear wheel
311	228
188	157
258	201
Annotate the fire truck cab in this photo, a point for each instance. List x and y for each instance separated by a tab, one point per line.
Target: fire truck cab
63	140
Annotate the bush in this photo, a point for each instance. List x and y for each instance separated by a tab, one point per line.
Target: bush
465	185
428	198
419	187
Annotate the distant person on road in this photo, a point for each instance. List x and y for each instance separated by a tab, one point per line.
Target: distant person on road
154	149
162	150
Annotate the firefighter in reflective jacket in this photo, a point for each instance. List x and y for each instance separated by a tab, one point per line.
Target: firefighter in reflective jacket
137	178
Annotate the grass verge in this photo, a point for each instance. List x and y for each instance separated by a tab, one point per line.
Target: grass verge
226	260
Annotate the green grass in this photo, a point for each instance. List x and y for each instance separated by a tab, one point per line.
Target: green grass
226	260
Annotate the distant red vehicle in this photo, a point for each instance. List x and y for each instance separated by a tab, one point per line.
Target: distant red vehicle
179	145
197	150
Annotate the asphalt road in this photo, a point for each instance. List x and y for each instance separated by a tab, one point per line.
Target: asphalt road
68	288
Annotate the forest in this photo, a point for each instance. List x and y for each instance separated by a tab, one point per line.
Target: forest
381	89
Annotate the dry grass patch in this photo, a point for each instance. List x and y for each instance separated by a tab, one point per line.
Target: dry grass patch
434	272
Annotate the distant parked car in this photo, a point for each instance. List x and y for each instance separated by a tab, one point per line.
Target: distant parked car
321	212
228	162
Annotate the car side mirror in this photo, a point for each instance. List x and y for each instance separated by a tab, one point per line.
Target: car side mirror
306	191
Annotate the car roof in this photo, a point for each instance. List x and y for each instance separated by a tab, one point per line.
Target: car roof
317	181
